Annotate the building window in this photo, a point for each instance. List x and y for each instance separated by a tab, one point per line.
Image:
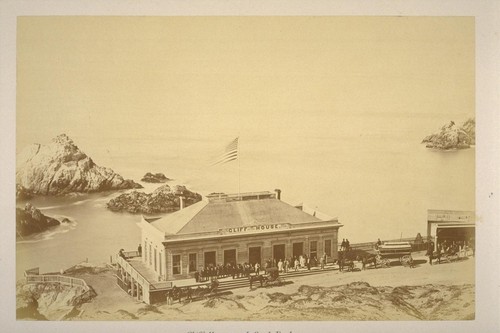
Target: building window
155	262
192	262
176	264
150	256
313	249
328	247
159	261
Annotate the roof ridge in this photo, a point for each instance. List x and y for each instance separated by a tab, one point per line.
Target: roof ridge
192	217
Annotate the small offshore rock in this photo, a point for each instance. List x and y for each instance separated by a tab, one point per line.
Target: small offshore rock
155	178
452	136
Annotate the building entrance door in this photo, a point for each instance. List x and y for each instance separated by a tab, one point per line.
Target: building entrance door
229	257
298	249
254	255
209	258
279	252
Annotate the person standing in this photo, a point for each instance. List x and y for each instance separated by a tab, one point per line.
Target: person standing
139	249
286	265
197	276
169	297
257	268
438	253
280	265
430	251
322	262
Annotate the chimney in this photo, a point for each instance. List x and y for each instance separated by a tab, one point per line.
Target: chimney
278	193
181	201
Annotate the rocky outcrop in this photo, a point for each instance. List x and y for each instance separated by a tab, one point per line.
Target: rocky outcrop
453	137
470	128
155	178
22	193
50	301
61	168
163	200
30	220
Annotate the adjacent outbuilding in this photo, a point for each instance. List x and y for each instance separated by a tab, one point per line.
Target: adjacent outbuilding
451	226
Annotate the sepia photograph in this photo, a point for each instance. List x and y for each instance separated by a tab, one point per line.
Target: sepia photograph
257	168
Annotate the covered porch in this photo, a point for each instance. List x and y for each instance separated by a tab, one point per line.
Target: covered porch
136	279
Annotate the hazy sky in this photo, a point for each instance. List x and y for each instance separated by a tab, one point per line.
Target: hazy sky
200	76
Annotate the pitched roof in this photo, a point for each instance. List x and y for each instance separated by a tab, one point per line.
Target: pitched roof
172	223
210	216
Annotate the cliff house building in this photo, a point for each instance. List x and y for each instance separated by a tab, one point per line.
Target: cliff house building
226	228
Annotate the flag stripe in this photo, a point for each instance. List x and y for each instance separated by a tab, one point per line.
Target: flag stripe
227	157
230	153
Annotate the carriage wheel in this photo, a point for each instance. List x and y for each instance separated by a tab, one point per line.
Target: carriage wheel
405	260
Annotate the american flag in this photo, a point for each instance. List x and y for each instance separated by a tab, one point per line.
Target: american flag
229	154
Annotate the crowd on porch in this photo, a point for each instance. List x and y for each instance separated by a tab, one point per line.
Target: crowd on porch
246	269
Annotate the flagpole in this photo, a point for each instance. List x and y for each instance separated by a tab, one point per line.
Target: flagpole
239	175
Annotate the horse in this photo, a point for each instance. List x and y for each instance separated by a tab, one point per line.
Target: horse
255	278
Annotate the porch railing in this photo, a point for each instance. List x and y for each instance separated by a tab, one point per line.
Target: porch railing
133	273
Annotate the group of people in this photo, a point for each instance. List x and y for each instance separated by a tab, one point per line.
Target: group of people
446	247
297	262
221	271
212	271
345	246
121	253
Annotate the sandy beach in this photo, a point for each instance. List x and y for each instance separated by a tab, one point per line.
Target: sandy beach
439	292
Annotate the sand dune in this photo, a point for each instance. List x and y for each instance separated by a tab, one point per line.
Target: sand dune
438	292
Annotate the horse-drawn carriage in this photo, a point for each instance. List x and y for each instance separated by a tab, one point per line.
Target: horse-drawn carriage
269	279
396	250
272	277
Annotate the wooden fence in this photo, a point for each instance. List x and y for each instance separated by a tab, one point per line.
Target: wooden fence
47	278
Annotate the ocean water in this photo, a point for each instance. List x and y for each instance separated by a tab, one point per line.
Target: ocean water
370	171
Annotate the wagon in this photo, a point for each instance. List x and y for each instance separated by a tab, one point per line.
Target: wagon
396	250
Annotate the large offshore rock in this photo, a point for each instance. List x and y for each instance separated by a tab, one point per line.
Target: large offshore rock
61	168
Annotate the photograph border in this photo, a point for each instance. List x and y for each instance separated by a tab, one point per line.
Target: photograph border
487	150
